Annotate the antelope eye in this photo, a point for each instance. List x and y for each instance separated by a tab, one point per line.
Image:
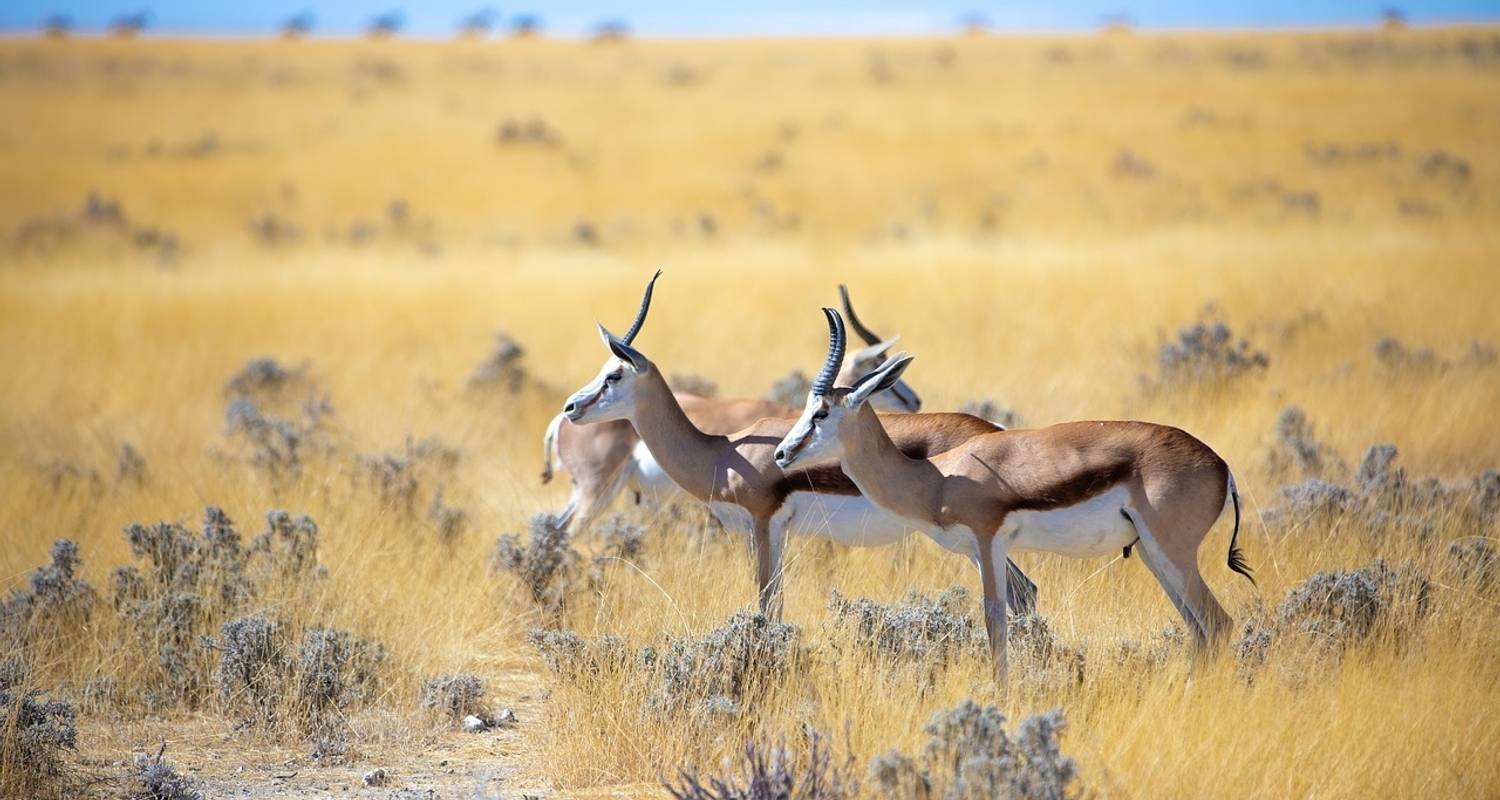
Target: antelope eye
612	377
820	414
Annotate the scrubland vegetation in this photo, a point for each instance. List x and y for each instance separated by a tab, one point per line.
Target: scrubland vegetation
282	323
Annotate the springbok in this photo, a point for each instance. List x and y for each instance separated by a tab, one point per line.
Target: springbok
737	476
604	459
1078	488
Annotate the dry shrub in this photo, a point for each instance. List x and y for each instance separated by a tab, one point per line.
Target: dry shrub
692	696
552	570
397	480
692	383
985	408
504	368
56	599
621	540
1141	659
1206	354
725	667
931	633
188	585
275	417
716	673
35	733
775	773
1384	499
455	695
790	390
278	444
969	754
1474	563
253	667
1298	448
547	564
264	376
154	778
188	623
1396	356
1331	612
574	658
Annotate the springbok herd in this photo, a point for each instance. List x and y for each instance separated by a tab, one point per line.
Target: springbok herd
842	470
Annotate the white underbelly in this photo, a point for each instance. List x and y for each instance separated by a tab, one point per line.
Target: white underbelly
849	520
650	479
735	519
955	539
1092	528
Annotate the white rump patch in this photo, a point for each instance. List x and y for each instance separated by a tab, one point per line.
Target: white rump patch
656	487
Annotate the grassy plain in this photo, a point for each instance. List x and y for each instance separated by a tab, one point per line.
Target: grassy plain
1035	216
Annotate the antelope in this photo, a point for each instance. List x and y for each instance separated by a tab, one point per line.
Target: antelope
603	459
1079	488
736	474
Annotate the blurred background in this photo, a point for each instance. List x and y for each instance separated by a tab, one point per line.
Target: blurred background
345	259
655	18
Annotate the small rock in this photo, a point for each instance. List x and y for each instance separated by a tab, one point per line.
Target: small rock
473	724
506	718
376	777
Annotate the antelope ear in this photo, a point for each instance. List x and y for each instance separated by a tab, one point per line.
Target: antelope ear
623	351
876	350
878	381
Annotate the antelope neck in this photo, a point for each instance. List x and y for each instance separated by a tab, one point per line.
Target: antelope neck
907	487
685	453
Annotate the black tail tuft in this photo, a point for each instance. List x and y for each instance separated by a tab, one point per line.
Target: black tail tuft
1237	556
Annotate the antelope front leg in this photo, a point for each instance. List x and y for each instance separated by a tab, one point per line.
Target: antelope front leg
991	571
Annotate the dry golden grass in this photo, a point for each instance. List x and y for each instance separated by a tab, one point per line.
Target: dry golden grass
965	189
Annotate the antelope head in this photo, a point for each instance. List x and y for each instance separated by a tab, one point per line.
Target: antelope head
613	392
899	396
816	434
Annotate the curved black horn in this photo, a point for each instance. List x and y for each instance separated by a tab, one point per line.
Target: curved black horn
824	382
640	316
859	327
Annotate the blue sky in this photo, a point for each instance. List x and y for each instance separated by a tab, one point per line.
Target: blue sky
707	17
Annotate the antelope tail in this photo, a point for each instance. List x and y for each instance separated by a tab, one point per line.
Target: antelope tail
549	446
1236	555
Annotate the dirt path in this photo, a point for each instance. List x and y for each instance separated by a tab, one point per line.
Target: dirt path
426	764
